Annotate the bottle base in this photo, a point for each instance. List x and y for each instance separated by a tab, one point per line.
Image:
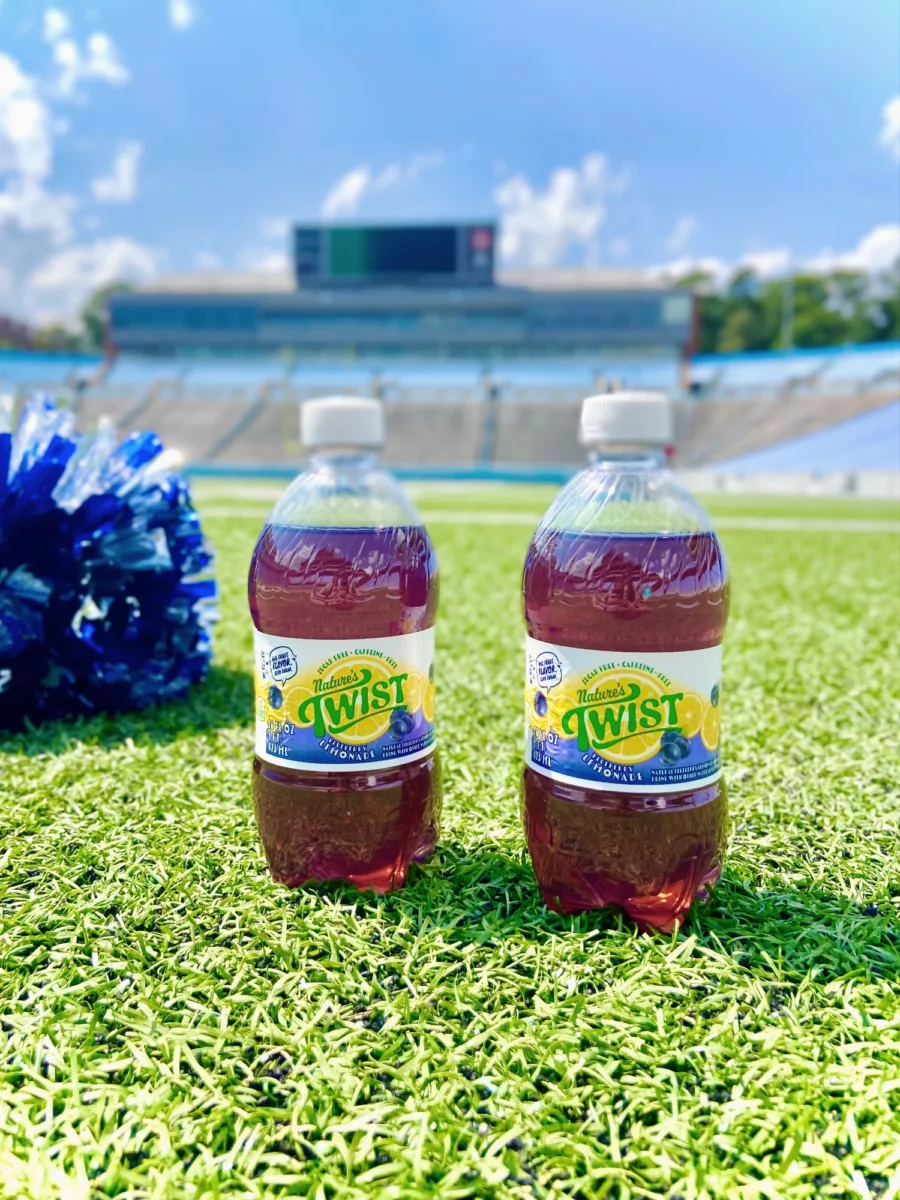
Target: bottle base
650	856
355	828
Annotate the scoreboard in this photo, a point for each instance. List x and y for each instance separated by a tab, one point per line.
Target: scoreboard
380	255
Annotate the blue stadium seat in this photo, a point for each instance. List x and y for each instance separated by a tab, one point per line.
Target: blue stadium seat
842	367
224	372
768	372
142	370
867	442
863	366
31	369
333	377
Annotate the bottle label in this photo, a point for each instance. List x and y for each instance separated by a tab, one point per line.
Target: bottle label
329	705
623	722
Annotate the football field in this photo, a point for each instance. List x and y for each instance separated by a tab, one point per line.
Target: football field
175	1025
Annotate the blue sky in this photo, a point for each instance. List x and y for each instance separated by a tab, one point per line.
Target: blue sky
139	136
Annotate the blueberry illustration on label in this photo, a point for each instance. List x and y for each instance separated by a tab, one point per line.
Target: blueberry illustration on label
402	724
674	747
275	697
540	704
714	696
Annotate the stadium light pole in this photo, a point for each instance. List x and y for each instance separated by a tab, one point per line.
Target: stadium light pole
787	315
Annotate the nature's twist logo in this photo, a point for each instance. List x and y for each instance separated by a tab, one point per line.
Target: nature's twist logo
627	714
355	699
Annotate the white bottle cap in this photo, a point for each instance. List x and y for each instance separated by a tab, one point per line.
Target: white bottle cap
627	418
342	421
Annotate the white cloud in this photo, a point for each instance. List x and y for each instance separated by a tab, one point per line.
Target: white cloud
543	228
345	197
684	230
26	206
60	285
45	275
207	261
270	255
275	227
423	162
120	185
56	23
351	189
889	136
182	14
718	270
99	60
264	259
26	140
877	251
766	264
33	221
388	176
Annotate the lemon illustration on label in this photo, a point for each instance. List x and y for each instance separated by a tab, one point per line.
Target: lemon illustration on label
690	714
428	703
414	691
558	706
709	731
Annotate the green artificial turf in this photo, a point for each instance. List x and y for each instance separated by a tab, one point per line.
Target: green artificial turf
174	1025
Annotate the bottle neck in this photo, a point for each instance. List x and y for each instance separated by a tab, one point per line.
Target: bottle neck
627	458
344	459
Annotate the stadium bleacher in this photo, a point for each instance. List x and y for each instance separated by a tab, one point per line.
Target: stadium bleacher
870	441
228	413
828	368
141	371
32	369
192	428
857	369
230	374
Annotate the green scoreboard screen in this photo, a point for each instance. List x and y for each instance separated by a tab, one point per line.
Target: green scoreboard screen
385	254
426	250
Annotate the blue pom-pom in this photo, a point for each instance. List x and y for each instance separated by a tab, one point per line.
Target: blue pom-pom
107	600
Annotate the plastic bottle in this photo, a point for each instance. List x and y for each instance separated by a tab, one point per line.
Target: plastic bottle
343	591
626	599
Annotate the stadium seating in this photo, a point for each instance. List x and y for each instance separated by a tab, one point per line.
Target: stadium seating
545	434
870	441
226	373
192	427
870	368
437	434
833	369
744	374
30	369
241	413
137	371
722	429
121	405
269	433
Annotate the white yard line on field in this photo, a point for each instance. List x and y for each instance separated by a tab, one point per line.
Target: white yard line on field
531	520
812	524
